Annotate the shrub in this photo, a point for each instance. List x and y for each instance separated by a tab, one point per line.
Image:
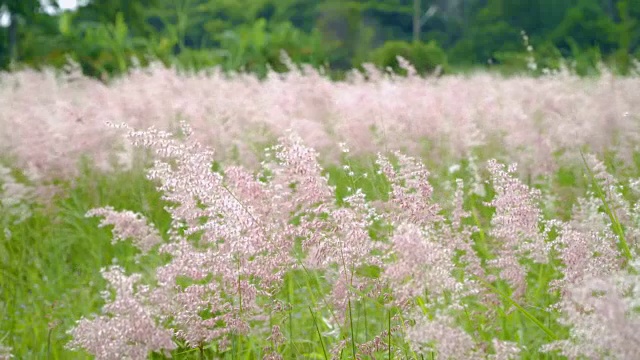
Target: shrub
425	57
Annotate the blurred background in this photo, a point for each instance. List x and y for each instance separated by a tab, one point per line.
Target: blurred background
108	37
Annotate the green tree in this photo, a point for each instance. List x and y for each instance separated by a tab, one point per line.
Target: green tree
133	12
588	25
22	14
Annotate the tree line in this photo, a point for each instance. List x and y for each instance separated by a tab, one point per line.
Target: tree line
107	37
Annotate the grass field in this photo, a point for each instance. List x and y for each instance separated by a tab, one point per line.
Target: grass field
354	256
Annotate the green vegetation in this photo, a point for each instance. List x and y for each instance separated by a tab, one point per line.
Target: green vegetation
107	37
51	278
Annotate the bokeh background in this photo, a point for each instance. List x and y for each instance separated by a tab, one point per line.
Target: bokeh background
109	36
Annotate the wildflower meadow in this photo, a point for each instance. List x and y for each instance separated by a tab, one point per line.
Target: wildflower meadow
217	215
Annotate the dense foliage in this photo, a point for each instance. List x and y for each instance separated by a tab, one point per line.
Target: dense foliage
107	37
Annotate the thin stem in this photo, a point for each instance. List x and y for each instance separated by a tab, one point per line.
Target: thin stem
353	338
324	351
366	332
389	334
289	299
49	343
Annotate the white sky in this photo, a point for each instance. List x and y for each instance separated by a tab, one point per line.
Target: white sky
68	4
64	4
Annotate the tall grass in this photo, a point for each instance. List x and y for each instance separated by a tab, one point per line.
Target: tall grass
506	226
530	308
